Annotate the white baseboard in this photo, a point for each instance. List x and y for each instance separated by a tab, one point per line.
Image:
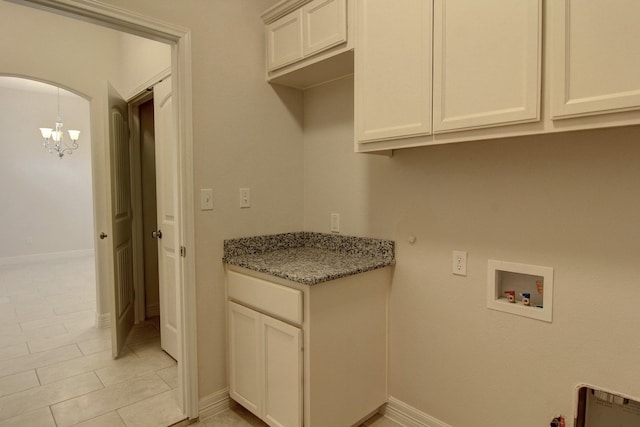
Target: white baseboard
409	416
214	403
26	259
103	321
395	410
152	310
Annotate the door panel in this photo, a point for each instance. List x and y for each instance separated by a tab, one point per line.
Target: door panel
284	40
324	25
595	61
393	45
122	307
166	186
486	63
282	373
245	385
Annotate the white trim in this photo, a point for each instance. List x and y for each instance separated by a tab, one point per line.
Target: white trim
215	403
26	259
103	321
409	416
181	55
180	39
281	9
136	199
149	84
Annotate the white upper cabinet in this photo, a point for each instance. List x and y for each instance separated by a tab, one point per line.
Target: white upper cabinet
393	69
595	57
324	24
486	63
284	40
308	42
486	66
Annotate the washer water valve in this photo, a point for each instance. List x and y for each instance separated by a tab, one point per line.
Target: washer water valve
511	296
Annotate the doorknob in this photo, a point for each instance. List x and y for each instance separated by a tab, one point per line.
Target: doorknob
157	234
103	235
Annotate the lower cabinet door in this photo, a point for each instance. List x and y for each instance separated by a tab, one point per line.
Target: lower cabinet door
265	366
282	373
245	385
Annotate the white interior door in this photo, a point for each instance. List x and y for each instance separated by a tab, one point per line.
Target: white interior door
166	194
122	307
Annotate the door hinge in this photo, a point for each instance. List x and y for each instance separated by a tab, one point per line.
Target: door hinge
183	251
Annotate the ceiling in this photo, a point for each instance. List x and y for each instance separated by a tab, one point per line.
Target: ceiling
28	85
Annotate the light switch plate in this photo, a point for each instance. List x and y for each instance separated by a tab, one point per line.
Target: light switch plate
245	198
206	199
335	223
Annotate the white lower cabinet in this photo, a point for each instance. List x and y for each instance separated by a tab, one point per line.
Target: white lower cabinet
265	366
312	356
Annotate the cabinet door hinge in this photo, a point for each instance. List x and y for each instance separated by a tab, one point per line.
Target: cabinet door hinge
183	251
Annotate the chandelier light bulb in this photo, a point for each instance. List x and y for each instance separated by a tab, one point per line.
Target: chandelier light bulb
46	132
74	134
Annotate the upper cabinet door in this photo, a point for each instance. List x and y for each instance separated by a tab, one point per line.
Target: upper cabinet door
596	57
284	40
393	69
324	25
486	63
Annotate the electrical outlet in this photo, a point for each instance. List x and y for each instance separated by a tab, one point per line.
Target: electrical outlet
245	198
459	267
335	223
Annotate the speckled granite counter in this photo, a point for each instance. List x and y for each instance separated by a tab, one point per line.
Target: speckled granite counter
309	258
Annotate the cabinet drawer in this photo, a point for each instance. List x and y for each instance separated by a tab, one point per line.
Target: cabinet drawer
270	298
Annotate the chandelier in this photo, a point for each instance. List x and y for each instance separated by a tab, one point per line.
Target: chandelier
54	138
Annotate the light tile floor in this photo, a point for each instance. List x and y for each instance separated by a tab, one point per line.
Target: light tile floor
237	416
56	368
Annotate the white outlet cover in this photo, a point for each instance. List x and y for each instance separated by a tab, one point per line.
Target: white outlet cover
459	263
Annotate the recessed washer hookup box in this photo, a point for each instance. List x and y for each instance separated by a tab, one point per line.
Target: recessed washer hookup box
600	408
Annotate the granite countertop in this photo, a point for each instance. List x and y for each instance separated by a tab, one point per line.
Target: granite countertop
309	258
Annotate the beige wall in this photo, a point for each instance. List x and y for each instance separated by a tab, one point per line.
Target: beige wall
569	201
246	134
141	60
81	57
46	201
63	57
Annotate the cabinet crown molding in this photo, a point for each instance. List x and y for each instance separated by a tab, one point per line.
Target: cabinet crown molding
281	9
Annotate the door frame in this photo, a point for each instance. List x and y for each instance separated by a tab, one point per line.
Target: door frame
135	102
179	38
136	199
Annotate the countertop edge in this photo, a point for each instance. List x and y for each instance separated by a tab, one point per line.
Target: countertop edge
310	281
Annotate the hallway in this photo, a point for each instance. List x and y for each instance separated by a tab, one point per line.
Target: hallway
56	368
